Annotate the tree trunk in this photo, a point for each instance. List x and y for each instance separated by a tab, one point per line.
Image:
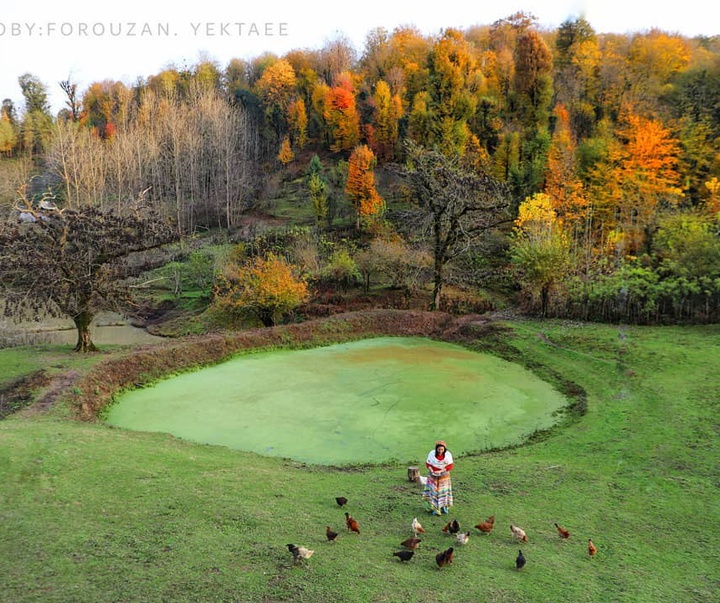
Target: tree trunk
267	317
437	284
82	324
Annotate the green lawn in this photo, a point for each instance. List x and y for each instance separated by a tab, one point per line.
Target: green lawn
92	513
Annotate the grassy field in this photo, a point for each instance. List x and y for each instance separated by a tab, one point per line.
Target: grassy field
91	513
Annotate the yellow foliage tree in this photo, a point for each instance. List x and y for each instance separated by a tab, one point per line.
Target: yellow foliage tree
265	288
286	155
540	249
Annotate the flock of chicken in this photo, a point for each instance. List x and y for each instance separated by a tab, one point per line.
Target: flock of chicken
443	558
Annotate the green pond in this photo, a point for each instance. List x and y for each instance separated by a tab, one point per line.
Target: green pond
368	401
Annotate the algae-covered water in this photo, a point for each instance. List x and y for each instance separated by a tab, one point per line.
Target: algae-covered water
368	401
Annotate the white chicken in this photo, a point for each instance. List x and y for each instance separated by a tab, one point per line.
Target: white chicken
417	527
518	533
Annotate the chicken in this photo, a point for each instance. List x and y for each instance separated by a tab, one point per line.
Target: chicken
452	527
417	527
404	555
487	526
331	535
562	532
411	543
462	537
351	524
299	553
341	501
444	558
423	480
518	533
520	561
592	549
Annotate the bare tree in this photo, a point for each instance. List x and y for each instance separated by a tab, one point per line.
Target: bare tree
72	262
455	206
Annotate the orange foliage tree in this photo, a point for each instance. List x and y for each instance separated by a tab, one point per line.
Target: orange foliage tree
360	186
341	115
562	184
265	288
639	173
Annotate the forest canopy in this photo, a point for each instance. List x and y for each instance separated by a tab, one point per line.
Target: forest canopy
617	135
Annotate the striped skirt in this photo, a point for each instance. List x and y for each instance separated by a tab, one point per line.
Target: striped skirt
438	493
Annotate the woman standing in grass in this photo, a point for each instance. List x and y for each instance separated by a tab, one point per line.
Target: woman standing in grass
438	489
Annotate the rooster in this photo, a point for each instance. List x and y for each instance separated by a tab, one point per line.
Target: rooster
520	561
331	535
404	555
487	526
299	553
444	558
518	533
351	524
452	527
411	543
562	532
417	527
592	549
462	537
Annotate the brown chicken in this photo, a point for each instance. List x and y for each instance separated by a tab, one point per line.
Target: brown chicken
452	527
404	555
351	524
518	533
592	549
487	526
331	535
562	532
444	558
411	543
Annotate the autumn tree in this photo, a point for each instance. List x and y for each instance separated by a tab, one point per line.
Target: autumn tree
540	249
360	186
340	114
276	88
576	74
455	207
36	126
562	183
285	154
73	262
263	287
388	111
451	62
298	122
533	79
638	175
8	128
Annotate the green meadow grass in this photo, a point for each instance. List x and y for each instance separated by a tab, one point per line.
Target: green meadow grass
92	513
